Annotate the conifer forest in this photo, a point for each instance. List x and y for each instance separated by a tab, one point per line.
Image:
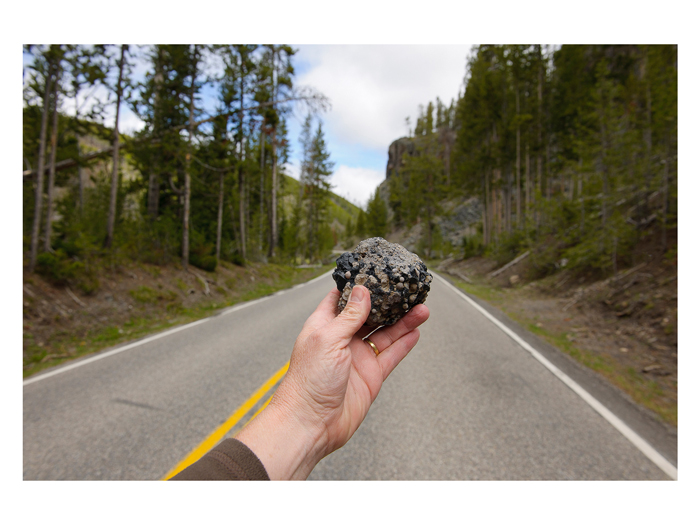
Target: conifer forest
571	152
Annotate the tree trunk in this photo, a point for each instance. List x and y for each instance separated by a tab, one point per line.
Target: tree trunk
40	171
220	216
188	161
273	192
52	168
528	184
487	211
664	213
81	184
517	162
580	196
241	181
111	217
262	187
153	176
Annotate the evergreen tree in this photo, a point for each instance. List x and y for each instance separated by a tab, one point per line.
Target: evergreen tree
316	169
377	216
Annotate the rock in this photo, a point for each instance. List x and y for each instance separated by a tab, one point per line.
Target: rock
396	279
514	279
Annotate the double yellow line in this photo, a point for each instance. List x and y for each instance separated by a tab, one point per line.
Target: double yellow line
209	443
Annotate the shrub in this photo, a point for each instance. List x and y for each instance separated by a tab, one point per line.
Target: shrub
57	268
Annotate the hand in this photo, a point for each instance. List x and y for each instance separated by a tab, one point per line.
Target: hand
333	378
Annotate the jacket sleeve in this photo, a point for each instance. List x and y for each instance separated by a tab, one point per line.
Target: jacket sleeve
229	460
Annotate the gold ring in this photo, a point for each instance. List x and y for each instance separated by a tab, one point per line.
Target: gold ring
376	351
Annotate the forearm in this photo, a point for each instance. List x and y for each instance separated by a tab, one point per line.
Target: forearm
287	446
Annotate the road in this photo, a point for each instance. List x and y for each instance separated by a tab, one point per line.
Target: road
469	402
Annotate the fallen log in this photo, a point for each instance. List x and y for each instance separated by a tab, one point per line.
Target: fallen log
511	263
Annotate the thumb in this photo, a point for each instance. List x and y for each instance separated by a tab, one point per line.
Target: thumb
353	316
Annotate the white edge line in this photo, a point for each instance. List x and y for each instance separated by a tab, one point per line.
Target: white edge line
162	334
644	447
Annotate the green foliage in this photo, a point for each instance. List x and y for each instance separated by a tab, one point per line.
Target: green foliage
377	216
57	267
472	246
566	150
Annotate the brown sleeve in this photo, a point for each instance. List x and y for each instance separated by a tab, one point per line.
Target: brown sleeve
229	460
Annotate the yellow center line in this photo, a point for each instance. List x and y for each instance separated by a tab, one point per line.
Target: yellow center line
206	445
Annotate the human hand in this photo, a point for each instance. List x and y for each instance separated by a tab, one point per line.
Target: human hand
333	378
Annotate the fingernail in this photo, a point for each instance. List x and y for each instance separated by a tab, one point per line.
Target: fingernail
358	294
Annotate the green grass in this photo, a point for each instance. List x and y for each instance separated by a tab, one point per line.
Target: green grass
172	314
641	389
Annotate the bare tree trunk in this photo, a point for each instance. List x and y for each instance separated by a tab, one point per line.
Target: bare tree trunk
273	192
153	176
40	171
647	130
487	210
538	190
664	213
528	184
517	161
115	156
262	186
241	181
81	183
580	196
220	216
52	169
188	161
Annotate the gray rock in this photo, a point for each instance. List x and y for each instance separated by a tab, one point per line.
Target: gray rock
396	279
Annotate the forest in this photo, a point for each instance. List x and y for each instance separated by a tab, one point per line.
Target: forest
571	152
193	185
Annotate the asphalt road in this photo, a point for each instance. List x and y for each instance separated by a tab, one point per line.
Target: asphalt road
469	402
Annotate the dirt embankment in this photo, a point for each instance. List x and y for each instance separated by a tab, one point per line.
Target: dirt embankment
135	299
624	326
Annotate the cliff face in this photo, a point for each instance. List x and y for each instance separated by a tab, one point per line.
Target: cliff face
458	216
396	151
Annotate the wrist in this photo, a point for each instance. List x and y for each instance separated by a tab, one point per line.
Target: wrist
287	445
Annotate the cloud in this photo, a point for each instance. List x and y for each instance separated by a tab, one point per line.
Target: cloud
373	88
356	184
352	183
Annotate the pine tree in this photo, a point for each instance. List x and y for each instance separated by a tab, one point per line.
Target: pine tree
316	170
377	216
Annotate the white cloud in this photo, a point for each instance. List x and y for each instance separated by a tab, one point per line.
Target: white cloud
356	184
373	88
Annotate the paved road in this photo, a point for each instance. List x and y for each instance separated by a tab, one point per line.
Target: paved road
468	403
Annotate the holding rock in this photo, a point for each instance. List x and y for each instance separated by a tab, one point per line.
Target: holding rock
396	279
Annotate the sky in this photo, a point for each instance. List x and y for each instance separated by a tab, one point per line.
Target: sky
372	89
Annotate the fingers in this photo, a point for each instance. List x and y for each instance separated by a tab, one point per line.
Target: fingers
324	313
385	337
392	356
350	320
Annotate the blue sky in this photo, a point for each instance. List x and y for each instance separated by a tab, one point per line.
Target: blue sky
372	89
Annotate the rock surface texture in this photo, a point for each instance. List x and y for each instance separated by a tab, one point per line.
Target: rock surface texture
396	279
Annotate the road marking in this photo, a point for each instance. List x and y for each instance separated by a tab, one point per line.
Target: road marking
209	443
162	334
256	414
112	352
644	447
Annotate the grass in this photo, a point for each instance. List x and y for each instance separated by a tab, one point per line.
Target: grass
641	389
163	313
